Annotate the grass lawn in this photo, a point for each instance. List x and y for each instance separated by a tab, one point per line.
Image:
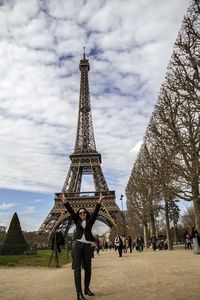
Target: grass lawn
40	260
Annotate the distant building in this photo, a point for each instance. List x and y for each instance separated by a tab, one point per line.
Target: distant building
3	228
2	234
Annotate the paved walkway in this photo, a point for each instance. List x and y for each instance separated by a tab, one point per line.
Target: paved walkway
160	275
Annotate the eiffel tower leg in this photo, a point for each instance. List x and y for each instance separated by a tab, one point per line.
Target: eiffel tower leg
73	179
98	178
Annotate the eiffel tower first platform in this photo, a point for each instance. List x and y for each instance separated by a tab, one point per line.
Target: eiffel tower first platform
84	160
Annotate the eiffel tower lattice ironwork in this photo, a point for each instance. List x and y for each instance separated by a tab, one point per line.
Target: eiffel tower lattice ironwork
84	160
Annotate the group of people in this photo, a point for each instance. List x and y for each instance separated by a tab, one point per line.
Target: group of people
192	238
187	236
84	242
122	244
158	243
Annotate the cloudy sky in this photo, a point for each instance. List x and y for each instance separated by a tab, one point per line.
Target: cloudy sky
128	44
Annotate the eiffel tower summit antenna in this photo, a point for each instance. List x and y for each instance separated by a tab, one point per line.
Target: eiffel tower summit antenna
85	160
83	52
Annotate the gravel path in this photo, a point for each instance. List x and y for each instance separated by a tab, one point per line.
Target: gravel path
160	275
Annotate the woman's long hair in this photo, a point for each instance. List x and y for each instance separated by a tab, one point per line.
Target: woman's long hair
87	212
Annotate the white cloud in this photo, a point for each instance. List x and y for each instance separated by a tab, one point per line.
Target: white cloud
39	200
136	148
6	205
29	209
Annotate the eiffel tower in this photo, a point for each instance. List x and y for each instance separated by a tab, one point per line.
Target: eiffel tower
84	160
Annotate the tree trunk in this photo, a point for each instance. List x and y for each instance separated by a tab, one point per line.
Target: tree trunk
157	230
152	224
197	213
168	233
175	234
146	236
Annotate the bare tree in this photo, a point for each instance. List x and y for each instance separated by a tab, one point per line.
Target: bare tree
141	193
168	165
188	218
177	114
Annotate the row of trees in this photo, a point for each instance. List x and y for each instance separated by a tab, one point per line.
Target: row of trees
168	165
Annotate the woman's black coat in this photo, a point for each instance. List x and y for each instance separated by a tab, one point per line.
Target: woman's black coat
90	219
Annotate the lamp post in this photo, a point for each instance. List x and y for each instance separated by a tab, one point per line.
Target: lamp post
123	217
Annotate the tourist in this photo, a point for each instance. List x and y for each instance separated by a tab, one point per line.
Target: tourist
196	241
139	243
81	248
188	241
97	244
185	234
153	242
105	245
119	244
130	243
124	243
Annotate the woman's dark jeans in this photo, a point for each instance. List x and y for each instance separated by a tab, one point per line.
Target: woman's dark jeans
81	254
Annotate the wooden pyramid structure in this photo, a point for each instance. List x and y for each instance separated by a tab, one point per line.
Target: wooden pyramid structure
15	242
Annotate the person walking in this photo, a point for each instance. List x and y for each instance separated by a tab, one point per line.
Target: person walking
130	243
119	244
124	243
97	244
81	247
153	242
140	243
196	240
189	240
185	238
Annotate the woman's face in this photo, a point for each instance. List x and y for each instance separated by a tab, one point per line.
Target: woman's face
82	214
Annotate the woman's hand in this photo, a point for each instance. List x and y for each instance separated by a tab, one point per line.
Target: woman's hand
101	199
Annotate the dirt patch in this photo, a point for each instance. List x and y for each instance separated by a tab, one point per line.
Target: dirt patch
148	276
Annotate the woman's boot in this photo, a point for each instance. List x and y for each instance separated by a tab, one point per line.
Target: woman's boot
80	296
